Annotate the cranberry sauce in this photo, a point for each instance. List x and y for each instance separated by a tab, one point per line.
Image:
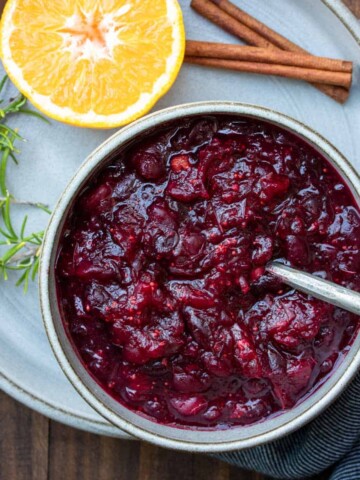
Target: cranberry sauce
161	277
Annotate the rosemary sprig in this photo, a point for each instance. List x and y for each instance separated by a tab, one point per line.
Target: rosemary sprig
22	250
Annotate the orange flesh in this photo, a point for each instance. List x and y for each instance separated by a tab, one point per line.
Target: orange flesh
97	56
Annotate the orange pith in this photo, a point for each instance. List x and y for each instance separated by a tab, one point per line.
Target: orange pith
92	62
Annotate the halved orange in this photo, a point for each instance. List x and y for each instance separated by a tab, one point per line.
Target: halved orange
95	63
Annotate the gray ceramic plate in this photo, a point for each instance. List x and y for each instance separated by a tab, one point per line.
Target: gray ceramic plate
28	370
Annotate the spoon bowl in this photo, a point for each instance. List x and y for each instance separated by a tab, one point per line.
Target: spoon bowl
319	288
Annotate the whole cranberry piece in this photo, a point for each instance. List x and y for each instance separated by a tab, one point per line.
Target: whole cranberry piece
149	164
97	200
188	405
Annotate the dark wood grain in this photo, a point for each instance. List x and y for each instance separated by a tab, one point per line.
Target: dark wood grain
35	448
177	465
74	454
23	442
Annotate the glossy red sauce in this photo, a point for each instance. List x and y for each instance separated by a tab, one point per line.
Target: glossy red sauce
161	277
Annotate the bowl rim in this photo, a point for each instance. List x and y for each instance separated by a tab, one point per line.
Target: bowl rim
185	439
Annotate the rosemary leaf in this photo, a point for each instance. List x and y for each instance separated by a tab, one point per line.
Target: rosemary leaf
23	226
24	279
11	252
7	217
35	268
3	166
34	114
2	83
6	235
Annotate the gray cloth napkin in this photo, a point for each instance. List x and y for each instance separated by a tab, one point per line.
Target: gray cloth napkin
333	438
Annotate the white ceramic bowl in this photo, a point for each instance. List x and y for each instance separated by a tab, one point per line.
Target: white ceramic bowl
119	415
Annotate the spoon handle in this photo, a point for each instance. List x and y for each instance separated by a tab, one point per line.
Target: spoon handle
317	287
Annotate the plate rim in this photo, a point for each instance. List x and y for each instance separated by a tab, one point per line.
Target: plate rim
52	411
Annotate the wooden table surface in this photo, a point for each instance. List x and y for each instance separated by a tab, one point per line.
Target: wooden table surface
33	447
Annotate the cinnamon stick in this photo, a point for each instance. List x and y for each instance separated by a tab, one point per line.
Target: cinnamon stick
255	33
256	26
264	55
299	73
213	13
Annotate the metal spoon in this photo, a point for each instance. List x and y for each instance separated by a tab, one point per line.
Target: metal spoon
317	287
